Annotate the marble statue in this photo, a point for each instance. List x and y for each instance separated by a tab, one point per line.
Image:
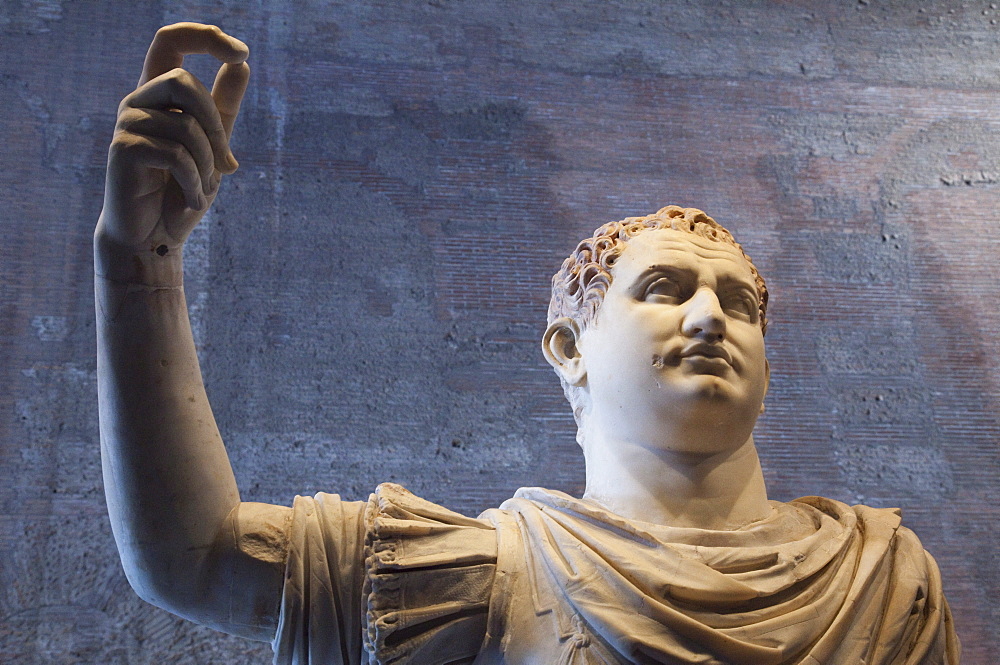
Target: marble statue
673	555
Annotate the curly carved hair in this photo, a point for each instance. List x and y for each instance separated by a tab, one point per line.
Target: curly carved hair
578	289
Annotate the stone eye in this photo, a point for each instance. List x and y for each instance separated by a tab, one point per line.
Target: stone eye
741	304
663	288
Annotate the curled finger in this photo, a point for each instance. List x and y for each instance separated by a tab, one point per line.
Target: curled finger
178	127
173	42
179	90
137	151
227	91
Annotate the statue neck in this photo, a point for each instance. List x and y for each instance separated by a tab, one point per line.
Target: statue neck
722	491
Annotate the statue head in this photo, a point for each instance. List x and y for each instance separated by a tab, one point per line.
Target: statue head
580	287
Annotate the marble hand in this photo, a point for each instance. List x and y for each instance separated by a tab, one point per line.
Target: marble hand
171	143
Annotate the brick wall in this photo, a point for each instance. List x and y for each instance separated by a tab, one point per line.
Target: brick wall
369	291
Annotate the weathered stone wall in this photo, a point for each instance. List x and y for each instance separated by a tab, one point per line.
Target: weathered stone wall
369	290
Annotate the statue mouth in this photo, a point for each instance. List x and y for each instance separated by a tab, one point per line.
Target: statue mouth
702	350
710	357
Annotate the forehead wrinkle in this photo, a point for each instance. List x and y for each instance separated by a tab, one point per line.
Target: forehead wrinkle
719	251
683	254
678	250
725	277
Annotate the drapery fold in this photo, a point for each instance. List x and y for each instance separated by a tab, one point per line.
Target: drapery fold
400	580
817	581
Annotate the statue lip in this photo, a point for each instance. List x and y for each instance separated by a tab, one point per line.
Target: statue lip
706	350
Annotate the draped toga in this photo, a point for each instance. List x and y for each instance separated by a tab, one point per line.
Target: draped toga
548	579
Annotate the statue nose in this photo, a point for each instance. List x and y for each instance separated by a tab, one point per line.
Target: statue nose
704	317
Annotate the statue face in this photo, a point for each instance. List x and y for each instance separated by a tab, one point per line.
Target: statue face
676	348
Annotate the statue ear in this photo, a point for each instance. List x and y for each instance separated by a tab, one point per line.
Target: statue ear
560	344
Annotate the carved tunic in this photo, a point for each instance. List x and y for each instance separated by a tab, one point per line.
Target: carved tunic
549	580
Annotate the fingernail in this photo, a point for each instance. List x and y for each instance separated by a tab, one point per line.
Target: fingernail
231	159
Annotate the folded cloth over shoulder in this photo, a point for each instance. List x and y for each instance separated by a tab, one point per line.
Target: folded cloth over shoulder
402	580
816	582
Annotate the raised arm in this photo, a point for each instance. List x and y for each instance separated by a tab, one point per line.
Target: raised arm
174	506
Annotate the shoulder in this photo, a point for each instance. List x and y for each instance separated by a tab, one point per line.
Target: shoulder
857	516
882	545
430	576
887	580
391	503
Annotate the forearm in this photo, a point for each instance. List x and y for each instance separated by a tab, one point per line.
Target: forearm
168	480
186	541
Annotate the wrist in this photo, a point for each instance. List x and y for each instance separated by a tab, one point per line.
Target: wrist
154	264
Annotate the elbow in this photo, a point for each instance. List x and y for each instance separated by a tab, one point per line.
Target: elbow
169	582
150	579
178	574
